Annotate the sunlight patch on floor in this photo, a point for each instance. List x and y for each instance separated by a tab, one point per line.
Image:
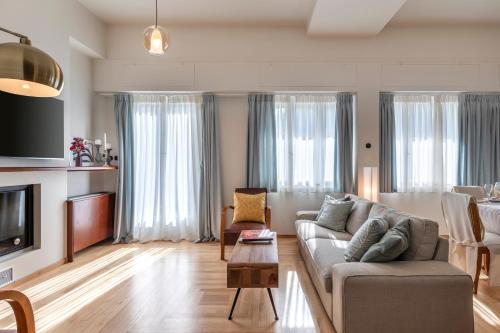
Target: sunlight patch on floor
297	313
62	308
59	282
486	313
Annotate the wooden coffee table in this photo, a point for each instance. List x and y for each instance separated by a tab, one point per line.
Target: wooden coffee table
253	266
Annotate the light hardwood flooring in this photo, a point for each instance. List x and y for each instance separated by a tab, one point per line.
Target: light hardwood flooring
181	287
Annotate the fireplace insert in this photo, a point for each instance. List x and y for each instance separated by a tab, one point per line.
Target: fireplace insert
16	218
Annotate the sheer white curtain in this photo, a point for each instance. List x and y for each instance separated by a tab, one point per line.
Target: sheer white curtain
166	166
305	130
426	134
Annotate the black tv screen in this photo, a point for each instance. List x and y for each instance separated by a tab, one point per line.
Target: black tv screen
31	127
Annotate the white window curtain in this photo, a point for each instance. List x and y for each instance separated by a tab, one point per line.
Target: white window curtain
166	166
305	130
426	135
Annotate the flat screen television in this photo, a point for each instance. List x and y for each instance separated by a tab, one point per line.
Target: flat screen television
31	127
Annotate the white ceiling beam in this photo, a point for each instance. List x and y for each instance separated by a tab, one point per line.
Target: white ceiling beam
351	17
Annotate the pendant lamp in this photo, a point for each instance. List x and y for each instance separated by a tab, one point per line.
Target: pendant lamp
155	37
26	70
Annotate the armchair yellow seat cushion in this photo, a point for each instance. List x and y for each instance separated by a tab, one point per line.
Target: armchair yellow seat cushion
249	207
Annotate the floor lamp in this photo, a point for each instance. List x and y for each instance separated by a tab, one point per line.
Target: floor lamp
370	183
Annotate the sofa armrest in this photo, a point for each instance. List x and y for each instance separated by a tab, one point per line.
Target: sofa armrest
401	296
441	252
310	215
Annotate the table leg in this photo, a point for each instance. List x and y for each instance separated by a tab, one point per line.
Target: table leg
234	303
272	303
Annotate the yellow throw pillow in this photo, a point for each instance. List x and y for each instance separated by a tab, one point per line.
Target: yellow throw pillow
249	207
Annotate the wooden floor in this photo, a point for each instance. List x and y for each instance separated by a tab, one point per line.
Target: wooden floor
168	287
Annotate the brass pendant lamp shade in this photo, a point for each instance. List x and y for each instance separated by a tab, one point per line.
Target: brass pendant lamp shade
26	70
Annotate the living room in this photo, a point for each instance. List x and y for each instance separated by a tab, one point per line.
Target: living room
167	115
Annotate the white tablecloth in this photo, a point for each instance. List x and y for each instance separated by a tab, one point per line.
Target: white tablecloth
490	215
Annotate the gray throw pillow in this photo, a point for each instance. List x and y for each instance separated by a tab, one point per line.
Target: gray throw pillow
334	214
368	234
329	198
395	241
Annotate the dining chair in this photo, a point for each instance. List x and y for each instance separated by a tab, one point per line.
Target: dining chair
476	191
230	235
466	234
23	311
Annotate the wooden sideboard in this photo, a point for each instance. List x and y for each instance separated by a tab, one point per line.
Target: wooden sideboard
90	220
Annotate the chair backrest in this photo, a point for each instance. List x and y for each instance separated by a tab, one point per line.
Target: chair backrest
252	190
462	217
476	191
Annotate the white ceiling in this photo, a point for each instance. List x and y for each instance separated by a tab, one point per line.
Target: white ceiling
317	17
348	17
203	12
448	12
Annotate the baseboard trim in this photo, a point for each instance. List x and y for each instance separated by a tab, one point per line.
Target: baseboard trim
16	283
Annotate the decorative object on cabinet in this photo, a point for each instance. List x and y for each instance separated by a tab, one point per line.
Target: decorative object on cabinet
97	153
82	150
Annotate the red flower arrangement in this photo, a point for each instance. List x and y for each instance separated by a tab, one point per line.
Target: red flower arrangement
77	146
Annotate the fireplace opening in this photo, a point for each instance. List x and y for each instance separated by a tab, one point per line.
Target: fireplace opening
16	218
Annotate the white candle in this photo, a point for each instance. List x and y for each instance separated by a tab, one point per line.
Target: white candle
98	142
105	142
108	145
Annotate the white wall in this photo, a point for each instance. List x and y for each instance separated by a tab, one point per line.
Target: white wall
80	110
242	60
233	112
54	26
103	121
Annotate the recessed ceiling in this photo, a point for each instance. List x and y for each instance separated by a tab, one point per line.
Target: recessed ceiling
448	12
203	12
317	17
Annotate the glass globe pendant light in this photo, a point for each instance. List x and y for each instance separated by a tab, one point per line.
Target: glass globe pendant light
155	37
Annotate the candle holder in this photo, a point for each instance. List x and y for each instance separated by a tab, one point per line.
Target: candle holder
108	158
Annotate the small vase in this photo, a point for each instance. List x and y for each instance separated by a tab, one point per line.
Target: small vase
78	161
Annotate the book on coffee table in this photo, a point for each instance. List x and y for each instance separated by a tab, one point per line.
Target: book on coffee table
252	236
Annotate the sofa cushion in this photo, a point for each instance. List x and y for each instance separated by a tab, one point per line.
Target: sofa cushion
308	230
359	214
334	214
249	207
424	234
392	245
332	197
325	253
369	233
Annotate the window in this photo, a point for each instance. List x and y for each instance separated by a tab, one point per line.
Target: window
426	142
305	140
166	164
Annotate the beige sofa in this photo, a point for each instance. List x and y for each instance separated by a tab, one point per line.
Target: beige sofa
419	293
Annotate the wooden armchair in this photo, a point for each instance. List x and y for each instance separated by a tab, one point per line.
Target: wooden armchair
230	235
23	311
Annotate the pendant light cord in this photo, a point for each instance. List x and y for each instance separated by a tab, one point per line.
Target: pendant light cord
156	22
